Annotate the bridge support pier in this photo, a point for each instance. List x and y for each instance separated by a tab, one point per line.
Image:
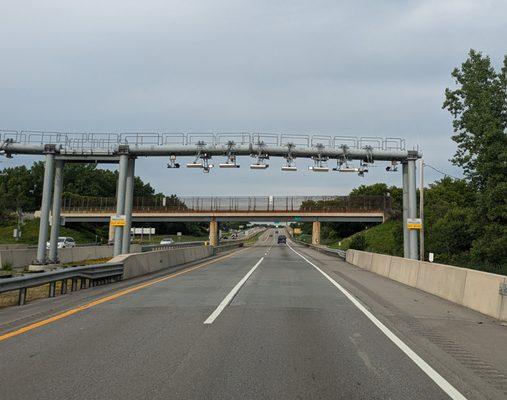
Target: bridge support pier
213	233
316	232
120	201
55	216
47	188
129	198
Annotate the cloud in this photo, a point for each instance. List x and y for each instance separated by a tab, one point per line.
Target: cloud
314	67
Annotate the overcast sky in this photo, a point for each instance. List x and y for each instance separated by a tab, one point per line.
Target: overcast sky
365	68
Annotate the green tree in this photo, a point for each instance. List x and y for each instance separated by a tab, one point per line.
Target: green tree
478	106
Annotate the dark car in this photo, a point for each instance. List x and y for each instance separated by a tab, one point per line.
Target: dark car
282	239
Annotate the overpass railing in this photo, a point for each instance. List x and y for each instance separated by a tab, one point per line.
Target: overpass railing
72	203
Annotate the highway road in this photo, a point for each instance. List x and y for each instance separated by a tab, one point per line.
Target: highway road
266	322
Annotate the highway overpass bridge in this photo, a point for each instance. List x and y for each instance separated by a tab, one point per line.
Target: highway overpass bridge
315	209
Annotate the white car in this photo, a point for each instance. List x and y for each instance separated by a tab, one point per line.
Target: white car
167	241
64	241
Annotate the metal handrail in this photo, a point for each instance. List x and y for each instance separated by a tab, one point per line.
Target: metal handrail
110	141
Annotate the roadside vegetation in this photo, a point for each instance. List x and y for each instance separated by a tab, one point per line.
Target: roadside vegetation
21	192
465	219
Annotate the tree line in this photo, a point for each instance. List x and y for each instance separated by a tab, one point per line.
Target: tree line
465	219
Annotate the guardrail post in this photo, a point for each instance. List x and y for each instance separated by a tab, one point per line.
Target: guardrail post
47	188
57	206
52	289
129	198
73	287
63	288
22	297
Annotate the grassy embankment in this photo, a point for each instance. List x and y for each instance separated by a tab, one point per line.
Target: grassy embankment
382	238
30	234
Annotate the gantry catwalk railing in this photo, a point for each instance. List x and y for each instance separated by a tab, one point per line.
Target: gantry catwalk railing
232	204
111	141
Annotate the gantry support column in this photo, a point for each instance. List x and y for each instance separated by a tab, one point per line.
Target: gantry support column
120	198
316	232
213	233
406	240
129	199
47	188
412	207
57	207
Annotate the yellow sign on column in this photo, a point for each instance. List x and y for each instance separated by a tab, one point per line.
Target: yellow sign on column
414	223
117	220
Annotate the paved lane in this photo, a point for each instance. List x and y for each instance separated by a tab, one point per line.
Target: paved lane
287	334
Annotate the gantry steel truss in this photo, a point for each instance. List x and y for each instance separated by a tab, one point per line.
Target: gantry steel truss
59	148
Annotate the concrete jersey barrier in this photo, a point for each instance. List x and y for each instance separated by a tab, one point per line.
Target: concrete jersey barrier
136	264
477	290
20	258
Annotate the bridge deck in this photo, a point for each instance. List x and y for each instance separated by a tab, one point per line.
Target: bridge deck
261	215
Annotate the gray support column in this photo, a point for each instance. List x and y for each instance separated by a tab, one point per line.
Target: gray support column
412	208
120	202
47	188
406	240
57	206
129	198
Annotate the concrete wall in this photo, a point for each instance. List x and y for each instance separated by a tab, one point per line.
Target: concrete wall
473	289
143	263
20	258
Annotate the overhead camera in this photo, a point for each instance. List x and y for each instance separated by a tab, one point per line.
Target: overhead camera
393	167
172	162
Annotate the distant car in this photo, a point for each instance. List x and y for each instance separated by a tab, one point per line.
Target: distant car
282	239
167	241
63	242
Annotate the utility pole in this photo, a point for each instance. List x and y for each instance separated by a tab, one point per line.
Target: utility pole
421	210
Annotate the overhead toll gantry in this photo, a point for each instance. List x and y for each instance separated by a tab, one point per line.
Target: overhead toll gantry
59	148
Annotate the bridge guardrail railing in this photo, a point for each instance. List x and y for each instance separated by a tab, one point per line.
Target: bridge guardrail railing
322	249
88	275
74	203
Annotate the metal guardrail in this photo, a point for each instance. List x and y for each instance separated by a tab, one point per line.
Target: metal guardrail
88	275
322	249
110	141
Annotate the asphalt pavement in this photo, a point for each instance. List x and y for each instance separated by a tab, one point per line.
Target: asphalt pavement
281	330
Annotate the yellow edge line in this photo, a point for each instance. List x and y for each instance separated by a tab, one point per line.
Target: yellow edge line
105	299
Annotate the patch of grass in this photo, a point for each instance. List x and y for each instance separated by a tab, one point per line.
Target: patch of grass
386	238
30	234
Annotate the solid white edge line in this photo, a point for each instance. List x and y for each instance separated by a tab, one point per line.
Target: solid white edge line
227	299
450	390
